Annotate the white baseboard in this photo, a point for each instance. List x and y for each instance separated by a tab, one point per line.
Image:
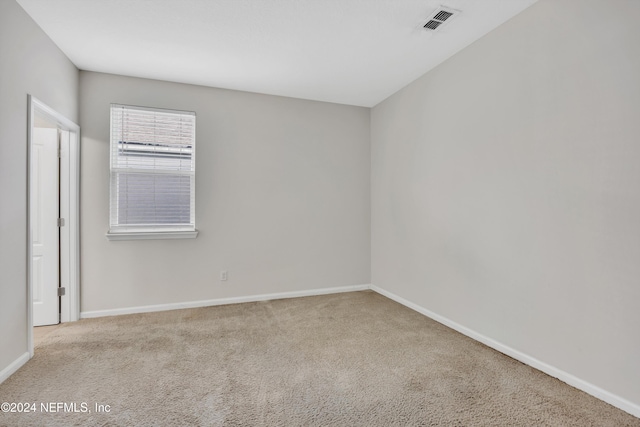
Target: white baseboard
14	366
593	390
222	301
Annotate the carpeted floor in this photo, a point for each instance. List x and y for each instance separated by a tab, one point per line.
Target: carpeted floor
353	359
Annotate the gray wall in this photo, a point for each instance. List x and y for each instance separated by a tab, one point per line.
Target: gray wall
29	64
505	189
282	198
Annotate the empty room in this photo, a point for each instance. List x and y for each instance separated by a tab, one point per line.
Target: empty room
319	213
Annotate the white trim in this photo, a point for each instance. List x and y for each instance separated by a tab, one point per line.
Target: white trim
73	300
222	301
14	366
151	235
593	390
70	193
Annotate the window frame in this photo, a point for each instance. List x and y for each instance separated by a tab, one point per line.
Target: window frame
144	232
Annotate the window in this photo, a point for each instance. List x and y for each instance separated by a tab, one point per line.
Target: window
152	173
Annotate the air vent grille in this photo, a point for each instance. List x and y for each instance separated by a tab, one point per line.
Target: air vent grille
439	17
443	15
432	25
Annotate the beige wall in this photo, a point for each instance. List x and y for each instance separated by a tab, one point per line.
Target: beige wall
29	64
506	189
282	198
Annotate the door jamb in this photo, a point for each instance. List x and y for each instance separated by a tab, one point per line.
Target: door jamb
69	209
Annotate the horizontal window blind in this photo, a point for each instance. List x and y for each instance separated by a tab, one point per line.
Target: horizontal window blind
152	169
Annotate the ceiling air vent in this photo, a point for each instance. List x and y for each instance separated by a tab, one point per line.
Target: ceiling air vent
439	17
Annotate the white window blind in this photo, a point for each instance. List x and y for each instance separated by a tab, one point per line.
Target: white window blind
152	170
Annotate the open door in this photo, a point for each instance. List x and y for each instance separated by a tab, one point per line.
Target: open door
45	211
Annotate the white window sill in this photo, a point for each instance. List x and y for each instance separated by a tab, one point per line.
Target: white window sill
151	235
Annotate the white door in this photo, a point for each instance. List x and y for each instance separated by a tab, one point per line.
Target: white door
45	178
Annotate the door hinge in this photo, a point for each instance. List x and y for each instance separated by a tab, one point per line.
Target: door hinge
60	222
61	291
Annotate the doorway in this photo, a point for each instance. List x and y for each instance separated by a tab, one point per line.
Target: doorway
53	191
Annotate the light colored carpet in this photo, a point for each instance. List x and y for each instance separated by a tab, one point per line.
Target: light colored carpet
355	359
39	332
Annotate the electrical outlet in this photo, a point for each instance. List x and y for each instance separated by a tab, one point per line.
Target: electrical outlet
223	275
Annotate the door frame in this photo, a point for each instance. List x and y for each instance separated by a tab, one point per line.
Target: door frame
69	210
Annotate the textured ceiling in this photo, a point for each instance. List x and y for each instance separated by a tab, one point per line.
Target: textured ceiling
354	52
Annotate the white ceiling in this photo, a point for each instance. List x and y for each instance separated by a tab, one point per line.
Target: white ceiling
354	52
